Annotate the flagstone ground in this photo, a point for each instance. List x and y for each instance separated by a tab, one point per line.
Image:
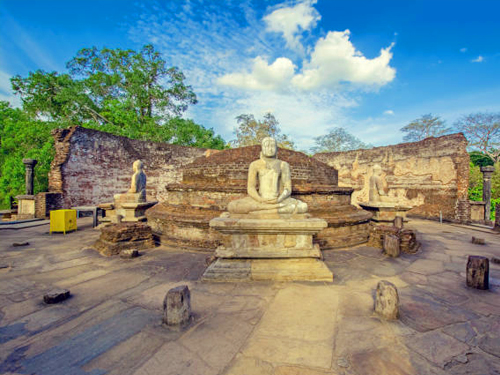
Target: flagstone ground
112	322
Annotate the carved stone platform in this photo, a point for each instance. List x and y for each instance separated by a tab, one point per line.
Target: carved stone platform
385	212
129	211
272	247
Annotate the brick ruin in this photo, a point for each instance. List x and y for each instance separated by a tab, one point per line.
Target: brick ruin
194	185
431	175
210	182
91	166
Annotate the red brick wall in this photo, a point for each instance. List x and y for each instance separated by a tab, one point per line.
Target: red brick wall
91	166
431	175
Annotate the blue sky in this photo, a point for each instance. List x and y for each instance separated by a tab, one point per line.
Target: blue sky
368	66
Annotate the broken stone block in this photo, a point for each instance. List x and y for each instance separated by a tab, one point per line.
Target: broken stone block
17	244
116	238
377	233
408	241
56	296
177	306
478	272
129	253
398	222
478	241
392	246
387	300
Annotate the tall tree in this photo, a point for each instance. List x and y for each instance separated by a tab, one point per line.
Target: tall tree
128	93
424	127
482	130
338	139
251	131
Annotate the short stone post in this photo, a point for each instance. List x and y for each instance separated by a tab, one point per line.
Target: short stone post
30	166
387	300
392	246
487	172
478	272
177	306
398	222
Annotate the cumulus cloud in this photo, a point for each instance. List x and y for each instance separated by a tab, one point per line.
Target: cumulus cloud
478	59
291	21
389	112
463	50
335	60
263	75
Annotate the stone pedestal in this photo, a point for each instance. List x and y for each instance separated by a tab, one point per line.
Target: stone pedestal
129	211
26	207
118	237
275	248
385	212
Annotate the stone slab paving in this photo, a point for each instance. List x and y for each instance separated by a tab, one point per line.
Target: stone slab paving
112	322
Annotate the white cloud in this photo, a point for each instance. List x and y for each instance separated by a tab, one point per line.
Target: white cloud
263	76
389	112
463	50
335	60
290	21
478	59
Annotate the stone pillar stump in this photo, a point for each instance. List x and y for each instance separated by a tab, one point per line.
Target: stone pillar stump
487	173
30	167
387	300
478	270
177	306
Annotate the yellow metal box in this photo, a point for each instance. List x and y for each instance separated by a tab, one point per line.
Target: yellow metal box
62	221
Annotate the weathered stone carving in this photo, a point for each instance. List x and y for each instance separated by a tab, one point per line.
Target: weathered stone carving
268	235
478	272
275	186
177	306
387	300
131	205
383	207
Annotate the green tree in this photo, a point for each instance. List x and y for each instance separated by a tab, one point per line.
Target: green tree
123	92
338	139
480	159
424	127
482	130
251	131
22	137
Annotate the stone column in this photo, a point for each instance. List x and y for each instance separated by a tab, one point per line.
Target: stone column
487	172
30	166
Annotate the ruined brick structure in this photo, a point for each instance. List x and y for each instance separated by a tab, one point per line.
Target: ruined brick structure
91	166
431	175
211	182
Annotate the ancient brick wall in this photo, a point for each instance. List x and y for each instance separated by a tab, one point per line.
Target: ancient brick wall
91	166
431	175
46	202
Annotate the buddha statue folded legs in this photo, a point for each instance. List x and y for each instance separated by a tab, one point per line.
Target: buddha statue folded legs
275	186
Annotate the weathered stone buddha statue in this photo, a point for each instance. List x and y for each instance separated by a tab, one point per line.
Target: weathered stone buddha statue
383	207
131	205
266	235
377	192
275	186
137	191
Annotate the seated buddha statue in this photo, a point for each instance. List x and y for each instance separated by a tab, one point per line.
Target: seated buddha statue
274	186
137	191
377	192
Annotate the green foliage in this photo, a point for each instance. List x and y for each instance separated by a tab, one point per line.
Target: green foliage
251	132
480	159
424	127
476	186
22	137
123	92
338	139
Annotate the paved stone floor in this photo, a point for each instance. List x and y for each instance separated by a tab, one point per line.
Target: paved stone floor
112	324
